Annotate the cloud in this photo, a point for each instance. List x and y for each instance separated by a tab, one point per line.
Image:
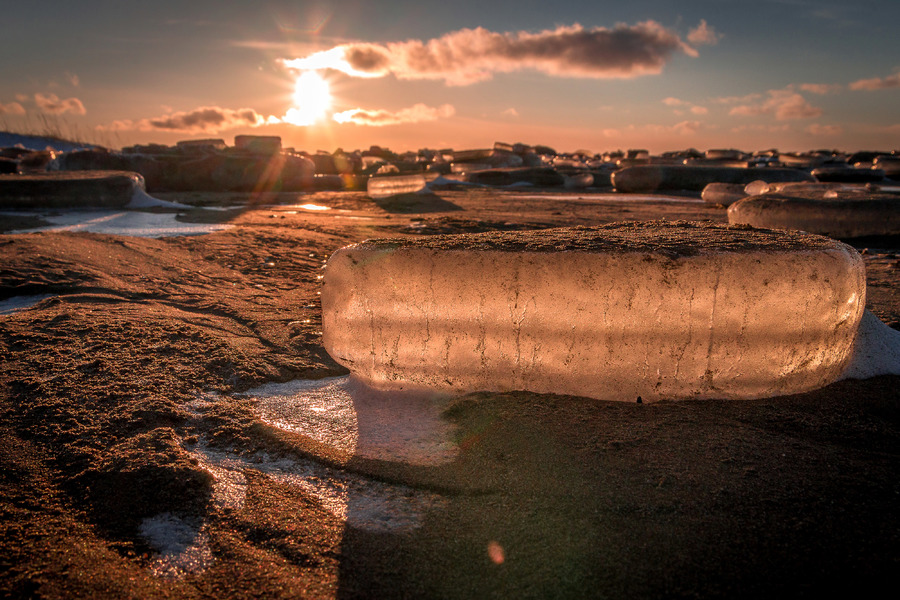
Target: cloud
379	118
821	88
467	56
703	34
697	110
511	112
50	103
784	104
682	128
736	99
73	79
12	108
206	119
816	129
877	83
687	127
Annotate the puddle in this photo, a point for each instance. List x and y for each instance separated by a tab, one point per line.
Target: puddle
352	417
18	303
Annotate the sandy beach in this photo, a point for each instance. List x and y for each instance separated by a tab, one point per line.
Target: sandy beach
135	464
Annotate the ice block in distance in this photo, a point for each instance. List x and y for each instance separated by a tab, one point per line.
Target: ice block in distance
656	310
841	211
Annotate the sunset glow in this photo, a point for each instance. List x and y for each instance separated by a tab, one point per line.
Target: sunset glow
794	75
312	100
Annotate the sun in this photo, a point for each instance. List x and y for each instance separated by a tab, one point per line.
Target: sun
312	99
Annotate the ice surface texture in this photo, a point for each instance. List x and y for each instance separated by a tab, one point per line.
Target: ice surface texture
652	310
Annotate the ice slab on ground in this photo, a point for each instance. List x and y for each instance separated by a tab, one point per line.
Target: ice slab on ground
385	187
648	178
836	210
724	193
351	417
634	310
70	189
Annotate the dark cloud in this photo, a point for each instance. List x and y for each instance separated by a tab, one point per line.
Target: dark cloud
206	119
470	55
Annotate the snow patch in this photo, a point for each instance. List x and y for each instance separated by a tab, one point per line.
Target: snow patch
876	351
18	303
183	547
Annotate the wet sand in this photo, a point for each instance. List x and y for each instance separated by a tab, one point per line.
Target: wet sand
118	389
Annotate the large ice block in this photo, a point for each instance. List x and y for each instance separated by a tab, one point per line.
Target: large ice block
652	310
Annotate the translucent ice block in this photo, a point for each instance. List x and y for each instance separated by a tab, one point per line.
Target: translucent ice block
651	310
385	187
839	211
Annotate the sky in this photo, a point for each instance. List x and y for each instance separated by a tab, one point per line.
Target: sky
579	75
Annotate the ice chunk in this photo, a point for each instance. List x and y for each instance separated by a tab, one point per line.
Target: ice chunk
755	188
648	178
70	189
723	193
651	310
385	187
835	210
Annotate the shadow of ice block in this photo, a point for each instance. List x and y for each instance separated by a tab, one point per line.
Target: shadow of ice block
658	310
